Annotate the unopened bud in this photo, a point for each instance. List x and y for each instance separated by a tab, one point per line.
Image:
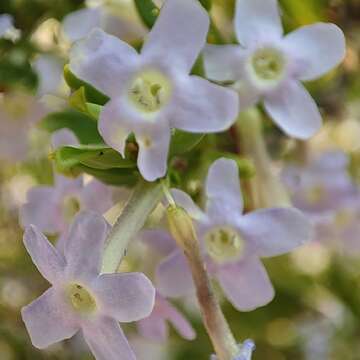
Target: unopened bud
181	226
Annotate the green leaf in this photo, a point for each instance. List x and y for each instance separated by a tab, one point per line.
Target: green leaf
83	126
99	157
100	161
92	95
182	142
206	4
148	11
115	177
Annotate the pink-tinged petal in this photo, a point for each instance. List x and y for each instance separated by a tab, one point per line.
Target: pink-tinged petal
47	259
294	110
104	61
159	240
275	231
153	152
107	340
178	35
63	137
84	245
41	210
185	201
47	320
180	323
125	297
223	62
97	197
173	277
316	49
203	107
257	20
246	284
223	186
153	328
79	23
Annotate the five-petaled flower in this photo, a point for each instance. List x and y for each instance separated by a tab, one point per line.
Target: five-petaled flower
269	66
80	298
232	243
152	92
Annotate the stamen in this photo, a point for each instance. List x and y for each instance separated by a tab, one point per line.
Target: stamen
149	91
80	299
224	244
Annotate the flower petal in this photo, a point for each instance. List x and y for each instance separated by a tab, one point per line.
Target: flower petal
275	231
180	323
63	137
47	320
257	20
173	277
153	328
153	152
223	62
294	111
159	240
246	284
96	196
203	107
6	23
107	340
47	259
184	200
84	246
178	35
113	125
316	49
79	23
41	210
49	69
223	185
103	61
125	297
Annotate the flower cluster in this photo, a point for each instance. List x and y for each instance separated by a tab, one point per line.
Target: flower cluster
129	105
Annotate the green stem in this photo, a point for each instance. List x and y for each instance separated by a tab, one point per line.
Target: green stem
133	217
266	188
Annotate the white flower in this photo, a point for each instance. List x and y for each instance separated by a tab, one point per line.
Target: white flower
269	66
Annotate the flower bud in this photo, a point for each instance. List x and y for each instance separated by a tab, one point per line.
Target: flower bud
181	226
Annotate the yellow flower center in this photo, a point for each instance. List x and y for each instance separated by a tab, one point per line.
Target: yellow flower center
149	91
81	299
224	244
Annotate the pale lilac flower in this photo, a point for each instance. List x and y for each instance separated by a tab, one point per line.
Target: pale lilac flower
325	192
49	69
18	115
152	92
232	242
6	24
63	137
269	66
52	208
116	17
245	351
155	326
82	299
